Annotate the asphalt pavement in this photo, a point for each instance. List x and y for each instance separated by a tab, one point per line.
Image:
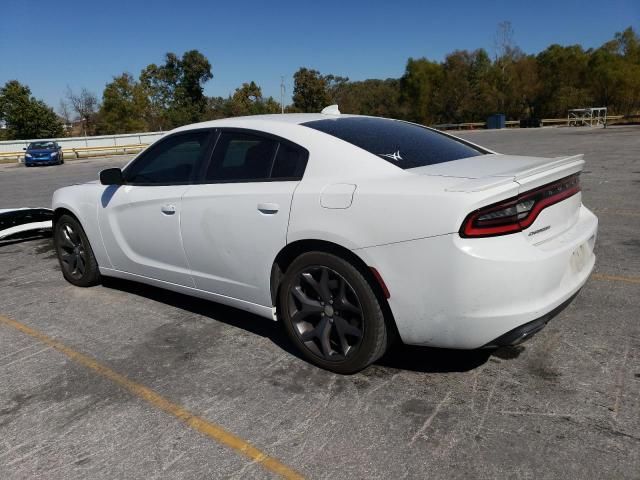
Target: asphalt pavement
127	381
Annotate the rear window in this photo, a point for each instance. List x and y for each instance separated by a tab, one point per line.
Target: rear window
404	144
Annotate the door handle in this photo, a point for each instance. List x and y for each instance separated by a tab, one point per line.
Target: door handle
268	208
168	209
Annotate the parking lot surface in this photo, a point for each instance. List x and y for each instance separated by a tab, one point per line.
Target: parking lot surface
128	381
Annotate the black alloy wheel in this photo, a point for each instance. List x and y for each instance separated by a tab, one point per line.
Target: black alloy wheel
331	313
326	313
73	254
76	258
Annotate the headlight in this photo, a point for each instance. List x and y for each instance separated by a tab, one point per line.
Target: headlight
27	155
53	154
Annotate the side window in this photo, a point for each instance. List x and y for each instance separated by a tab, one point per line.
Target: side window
172	160
241	157
290	162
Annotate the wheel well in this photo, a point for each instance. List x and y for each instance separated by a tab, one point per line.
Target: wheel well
58	212
293	250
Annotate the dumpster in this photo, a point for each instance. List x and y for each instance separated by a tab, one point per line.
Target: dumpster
496	121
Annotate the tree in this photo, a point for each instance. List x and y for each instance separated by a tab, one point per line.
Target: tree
565	71
25	116
370	97
628	44
526	88
309	91
123	106
418	86
175	90
85	105
246	100
65	112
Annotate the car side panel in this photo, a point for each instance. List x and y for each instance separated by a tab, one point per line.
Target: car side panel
384	211
231	237
141	231
82	201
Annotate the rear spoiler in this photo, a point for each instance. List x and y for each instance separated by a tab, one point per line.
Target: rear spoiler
574	163
553	163
21	220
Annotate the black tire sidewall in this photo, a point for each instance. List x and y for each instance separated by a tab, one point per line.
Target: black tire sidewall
374	329
92	274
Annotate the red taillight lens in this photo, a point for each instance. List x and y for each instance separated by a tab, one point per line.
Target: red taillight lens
517	214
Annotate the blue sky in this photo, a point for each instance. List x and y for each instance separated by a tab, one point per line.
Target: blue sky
51	44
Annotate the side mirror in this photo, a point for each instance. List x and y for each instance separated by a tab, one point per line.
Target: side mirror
111	176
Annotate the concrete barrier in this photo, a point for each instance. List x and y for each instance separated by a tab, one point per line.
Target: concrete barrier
76	147
79	142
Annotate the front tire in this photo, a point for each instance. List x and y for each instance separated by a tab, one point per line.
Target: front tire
77	261
331	313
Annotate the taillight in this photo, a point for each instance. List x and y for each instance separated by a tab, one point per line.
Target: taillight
517	214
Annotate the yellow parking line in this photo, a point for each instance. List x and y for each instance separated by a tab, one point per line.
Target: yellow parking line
615	278
211	430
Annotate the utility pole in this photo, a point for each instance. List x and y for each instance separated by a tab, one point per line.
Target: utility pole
84	129
282	94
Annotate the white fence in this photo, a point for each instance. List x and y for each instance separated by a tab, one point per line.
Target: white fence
69	143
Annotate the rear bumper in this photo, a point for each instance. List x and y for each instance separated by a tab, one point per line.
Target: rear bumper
528	330
453	292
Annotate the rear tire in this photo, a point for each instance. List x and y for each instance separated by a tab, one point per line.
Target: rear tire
331	313
76	258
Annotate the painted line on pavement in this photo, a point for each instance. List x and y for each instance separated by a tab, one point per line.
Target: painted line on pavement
209	429
615	278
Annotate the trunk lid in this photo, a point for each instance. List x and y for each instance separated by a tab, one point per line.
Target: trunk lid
487	172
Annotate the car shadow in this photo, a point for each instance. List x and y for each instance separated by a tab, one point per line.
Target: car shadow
400	356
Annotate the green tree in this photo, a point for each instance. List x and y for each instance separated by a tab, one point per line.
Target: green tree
25	116
614	73
175	90
526	88
565	73
418	86
246	100
370	97
310	90
124	104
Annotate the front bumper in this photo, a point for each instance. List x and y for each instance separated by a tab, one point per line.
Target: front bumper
453	292
41	161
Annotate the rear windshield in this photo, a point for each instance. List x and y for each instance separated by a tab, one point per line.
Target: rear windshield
401	143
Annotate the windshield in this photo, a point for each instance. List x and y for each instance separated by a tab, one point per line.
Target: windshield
41	145
404	144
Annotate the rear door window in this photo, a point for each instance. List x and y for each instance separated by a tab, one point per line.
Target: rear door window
241	156
403	144
290	162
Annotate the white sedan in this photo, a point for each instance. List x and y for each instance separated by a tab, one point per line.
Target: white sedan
350	230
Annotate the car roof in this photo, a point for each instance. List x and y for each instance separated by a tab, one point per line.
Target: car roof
279	118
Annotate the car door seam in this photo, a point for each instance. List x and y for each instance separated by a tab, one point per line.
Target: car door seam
184	251
99	217
293	195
